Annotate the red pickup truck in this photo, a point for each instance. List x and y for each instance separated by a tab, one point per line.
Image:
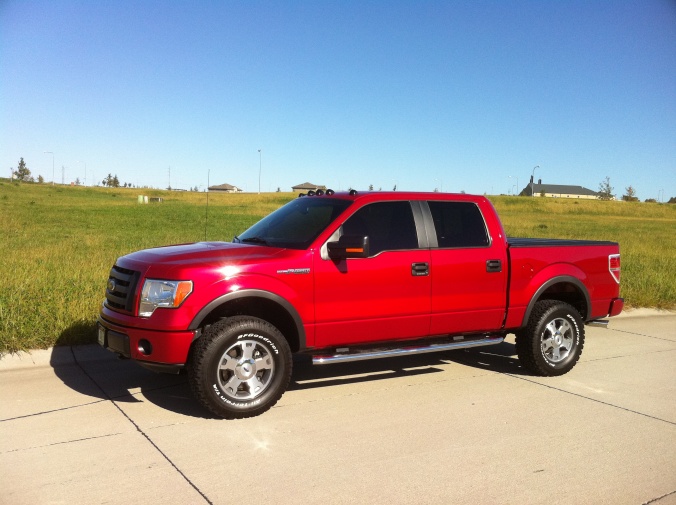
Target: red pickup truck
351	276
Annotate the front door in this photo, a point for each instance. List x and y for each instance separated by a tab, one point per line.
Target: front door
383	297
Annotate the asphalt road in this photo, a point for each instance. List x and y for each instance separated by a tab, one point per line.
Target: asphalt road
79	426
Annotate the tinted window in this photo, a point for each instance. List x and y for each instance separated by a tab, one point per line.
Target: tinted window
296	224
459	224
389	226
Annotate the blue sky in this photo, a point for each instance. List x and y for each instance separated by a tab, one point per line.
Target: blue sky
457	96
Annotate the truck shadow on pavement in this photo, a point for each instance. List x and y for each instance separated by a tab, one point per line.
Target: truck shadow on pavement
95	372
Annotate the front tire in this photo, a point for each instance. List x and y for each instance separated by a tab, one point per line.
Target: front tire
240	367
552	342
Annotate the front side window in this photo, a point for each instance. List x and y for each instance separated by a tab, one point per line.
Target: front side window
458	224
389	226
295	225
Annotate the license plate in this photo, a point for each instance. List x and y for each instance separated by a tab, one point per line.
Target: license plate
102	336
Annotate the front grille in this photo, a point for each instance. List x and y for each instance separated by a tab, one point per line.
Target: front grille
121	288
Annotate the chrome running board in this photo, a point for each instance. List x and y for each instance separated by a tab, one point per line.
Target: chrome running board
364	354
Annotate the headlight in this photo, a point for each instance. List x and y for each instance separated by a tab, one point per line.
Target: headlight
157	293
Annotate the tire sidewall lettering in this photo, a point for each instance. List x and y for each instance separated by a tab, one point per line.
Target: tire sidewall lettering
248	336
237	405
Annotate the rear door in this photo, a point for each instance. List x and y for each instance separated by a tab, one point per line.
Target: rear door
469	270
383	297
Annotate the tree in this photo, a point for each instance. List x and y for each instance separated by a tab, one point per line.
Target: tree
77	181
606	190
370	187
111	181
23	173
41	179
630	195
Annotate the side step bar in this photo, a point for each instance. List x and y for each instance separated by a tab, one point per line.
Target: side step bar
345	357
603	323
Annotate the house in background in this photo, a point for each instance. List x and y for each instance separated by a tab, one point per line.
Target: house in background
307	186
225	188
558	191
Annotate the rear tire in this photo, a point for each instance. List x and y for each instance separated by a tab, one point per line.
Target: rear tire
552	342
240	367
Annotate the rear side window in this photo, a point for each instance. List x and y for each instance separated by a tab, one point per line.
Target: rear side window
459	224
389	226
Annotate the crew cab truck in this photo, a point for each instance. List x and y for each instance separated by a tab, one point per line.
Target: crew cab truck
351	276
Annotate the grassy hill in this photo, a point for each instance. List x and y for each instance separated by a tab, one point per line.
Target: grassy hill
58	244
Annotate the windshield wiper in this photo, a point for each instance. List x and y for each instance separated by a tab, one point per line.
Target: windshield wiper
254	240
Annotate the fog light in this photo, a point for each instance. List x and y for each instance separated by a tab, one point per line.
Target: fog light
145	347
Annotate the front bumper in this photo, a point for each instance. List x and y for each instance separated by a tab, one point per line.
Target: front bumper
165	351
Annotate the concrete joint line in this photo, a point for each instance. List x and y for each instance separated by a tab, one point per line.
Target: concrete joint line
628	355
61	443
655	500
138	428
591	399
51	411
642	335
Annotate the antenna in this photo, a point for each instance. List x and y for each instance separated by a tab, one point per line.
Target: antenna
206	212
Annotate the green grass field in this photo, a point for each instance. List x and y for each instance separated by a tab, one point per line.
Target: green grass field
58	244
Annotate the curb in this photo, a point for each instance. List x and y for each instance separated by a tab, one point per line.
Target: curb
54	357
643	312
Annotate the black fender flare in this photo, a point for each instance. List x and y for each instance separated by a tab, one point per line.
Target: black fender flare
252	293
563	279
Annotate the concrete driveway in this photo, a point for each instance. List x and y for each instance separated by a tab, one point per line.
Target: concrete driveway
79	426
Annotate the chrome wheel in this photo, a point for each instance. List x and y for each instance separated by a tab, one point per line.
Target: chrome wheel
557	340
245	370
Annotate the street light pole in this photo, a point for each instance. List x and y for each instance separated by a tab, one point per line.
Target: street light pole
532	183
517	182
85	164
260	168
50	152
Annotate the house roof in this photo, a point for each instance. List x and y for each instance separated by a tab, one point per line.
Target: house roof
308	185
224	187
559	189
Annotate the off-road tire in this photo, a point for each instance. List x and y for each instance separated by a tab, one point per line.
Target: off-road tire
240	367
552	342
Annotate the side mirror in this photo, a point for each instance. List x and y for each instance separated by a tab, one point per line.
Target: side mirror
349	246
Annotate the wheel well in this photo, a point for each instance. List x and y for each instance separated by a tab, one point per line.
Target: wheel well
262	308
567	292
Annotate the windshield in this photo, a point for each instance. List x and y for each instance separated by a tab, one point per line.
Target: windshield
295	225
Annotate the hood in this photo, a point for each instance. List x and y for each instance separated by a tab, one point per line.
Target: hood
202	253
